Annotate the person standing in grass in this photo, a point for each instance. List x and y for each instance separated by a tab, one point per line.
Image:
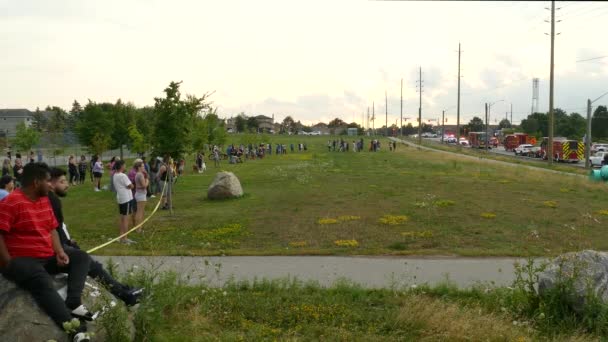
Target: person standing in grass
97	172
82	168
141	192
124	197
73	170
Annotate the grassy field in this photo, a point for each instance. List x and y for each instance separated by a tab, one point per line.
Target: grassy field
385	203
290	310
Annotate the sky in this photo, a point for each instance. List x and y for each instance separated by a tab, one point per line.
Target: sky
313	60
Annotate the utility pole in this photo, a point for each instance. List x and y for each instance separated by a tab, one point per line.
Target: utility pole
588	135
401	126
551	80
420	109
458	103
442	125
367	128
386	114
374	118
511	115
486	138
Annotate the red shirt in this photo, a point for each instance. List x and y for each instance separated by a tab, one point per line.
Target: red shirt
27	225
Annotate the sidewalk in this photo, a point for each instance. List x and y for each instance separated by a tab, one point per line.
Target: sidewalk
371	272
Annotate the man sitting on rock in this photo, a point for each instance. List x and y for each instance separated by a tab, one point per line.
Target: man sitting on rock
30	250
59	188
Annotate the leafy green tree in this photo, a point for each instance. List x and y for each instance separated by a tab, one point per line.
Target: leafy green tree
409	129
599	123
123	116
252	124
216	128
39	121
288	125
475	125
25	137
138	143
504	123
240	122
175	119
536	124
95	122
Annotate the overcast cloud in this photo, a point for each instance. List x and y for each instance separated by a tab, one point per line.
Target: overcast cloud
313	60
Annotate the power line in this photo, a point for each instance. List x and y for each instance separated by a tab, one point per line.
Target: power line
591	59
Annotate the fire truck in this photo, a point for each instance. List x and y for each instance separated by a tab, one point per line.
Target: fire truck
477	139
564	150
511	141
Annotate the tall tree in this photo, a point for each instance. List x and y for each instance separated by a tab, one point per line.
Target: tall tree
475	125
240	122
252	124
288	125
39	121
504	123
25	137
123	116
175	119
94	126
599	123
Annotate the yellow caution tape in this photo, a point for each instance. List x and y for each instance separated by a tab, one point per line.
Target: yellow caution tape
132	229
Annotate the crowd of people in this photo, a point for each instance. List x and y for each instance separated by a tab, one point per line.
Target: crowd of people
342	145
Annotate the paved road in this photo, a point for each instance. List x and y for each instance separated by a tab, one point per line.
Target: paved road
491	161
371	272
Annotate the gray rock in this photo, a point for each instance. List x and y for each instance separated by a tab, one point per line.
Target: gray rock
587	271
21	320
225	185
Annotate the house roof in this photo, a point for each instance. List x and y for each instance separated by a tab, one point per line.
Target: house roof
19	113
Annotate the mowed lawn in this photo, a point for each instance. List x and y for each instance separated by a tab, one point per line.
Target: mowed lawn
332	203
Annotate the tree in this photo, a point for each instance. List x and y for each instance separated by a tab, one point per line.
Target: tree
39	121
123	116
409	129
288	125
56	126
138	143
240	122
175	120
504	123
94	123
252	124
25	137
475	125
536	124
337	122
599	123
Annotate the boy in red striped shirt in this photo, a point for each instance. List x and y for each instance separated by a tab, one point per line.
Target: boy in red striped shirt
30	250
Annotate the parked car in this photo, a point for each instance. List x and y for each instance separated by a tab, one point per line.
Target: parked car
599	148
523	149
598	158
451	140
464	142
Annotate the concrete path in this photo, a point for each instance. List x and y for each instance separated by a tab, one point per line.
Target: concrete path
486	160
371	272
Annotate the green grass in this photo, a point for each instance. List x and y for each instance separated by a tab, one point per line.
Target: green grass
454	206
290	310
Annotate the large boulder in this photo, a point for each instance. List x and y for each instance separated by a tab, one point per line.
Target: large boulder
225	185
581	273
21	320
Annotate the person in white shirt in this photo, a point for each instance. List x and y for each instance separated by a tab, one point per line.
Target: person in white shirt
124	196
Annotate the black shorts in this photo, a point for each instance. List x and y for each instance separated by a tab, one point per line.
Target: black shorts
127	208
97	174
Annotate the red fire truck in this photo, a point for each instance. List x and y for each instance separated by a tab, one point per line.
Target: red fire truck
513	140
564	150
477	139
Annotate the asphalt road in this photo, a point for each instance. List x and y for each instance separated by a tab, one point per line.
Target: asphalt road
370	272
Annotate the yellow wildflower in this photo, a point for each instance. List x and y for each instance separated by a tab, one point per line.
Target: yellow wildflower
393	220
346	243
327	221
488	215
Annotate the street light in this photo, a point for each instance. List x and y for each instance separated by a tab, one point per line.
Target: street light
488	119
588	137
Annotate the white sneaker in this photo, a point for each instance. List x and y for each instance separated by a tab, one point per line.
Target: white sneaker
81	337
96	190
152	196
